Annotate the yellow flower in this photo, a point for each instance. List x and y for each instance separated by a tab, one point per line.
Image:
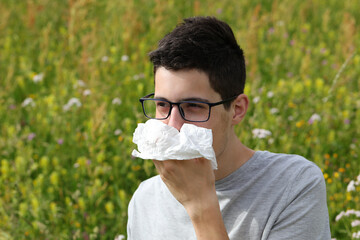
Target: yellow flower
329	180
341	170
319	83
122	194
20	164
35	206
336	175
326	175
331	136
50	190
300	123
298	88
356	60
44	162
81	203
135	168
80	162
68	201
54	178
53	208
291	105
4	167
345	114
348	196
23	209
100	157
55	161
109	206
281	83
97	182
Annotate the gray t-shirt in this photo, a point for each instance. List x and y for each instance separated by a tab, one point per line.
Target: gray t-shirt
272	196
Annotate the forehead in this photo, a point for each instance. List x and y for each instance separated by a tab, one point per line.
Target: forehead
182	84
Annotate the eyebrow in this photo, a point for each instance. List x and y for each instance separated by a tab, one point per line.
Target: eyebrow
186	99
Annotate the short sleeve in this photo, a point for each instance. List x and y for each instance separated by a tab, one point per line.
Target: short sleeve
305	215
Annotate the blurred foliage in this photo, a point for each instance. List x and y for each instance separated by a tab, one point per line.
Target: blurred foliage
71	73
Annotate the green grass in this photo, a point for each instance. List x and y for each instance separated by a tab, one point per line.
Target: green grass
70	174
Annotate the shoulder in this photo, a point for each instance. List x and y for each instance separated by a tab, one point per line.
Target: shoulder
148	187
294	171
301	174
293	164
145	194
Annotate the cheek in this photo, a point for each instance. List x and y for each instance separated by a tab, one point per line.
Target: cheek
221	131
219	141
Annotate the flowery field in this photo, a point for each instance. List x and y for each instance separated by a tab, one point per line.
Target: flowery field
71	73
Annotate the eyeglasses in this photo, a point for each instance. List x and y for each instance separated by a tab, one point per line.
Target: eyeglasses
191	111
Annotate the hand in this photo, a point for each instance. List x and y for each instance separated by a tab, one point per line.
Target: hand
192	183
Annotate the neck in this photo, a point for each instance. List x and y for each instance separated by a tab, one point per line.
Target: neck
232	158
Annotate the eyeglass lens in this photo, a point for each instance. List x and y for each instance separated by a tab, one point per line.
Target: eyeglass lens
190	111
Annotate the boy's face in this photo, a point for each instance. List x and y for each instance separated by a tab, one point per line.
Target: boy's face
181	85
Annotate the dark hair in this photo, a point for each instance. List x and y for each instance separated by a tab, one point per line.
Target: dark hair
207	44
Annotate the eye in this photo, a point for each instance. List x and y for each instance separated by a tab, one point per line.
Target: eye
194	105
162	104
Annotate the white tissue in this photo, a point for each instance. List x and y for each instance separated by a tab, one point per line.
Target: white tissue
156	140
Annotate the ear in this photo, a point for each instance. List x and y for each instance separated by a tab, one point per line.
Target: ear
239	108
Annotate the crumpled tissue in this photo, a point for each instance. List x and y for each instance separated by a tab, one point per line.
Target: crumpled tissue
156	140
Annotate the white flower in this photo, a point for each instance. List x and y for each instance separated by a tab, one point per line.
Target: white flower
124	58
270	94
314	117
274	110
86	92
79	83
290	118
351	186
356	235
119	237
256	99
352	212
72	102
355	223
116	101
105	58
339	216
117	132
38	77
260	133
28	102
280	23
138	76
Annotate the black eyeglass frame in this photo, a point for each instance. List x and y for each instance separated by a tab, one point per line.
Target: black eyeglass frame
147	97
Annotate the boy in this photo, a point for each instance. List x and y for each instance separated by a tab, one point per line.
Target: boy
199	79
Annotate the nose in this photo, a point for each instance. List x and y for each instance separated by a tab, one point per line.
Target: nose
175	120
